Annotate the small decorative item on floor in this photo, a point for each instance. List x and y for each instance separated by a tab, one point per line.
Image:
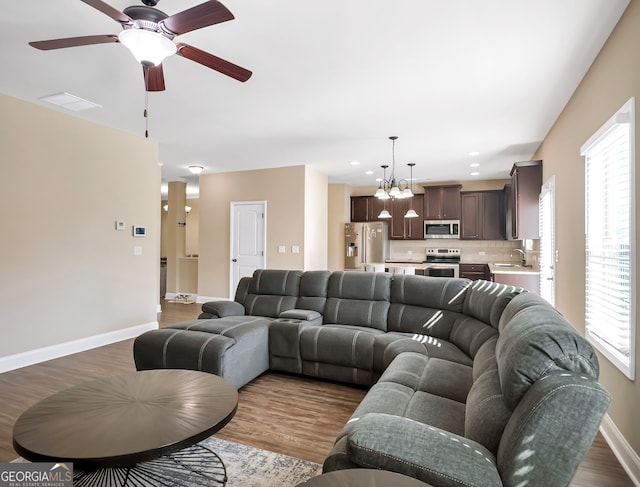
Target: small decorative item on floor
183	298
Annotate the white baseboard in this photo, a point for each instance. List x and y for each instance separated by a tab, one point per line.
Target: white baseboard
627	457
18	360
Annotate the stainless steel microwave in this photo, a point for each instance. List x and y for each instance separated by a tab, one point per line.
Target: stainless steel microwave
442	229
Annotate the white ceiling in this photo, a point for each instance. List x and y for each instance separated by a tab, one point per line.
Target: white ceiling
332	80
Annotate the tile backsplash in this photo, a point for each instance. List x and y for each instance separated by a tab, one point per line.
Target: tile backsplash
471	251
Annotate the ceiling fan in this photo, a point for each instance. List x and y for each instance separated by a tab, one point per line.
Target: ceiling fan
149	33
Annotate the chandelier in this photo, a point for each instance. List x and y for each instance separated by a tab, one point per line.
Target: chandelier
395	189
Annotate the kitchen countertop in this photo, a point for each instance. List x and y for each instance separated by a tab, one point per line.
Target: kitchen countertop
512	269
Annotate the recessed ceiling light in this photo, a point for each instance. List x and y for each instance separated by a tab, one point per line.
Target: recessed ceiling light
474	153
474	164
70	102
354	163
368	173
475	173
378	180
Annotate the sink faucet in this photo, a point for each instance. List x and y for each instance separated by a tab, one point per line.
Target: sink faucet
523	259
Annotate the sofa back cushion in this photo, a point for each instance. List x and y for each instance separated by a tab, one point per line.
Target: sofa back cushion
271	291
486	413
486	300
358	298
536	341
313	291
429	292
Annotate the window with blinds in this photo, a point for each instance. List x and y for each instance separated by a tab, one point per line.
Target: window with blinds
610	248
548	241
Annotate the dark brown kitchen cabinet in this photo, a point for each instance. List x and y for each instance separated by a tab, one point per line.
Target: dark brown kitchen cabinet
475	271
401	228
526	181
367	208
376	205
442	202
360	208
482	215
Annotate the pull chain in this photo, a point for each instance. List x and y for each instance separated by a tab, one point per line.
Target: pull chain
146	114
146	100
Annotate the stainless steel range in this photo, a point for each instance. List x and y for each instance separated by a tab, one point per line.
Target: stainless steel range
443	263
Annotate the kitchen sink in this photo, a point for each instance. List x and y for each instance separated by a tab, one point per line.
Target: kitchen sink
506	265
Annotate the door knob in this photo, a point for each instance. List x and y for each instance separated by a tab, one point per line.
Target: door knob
234	260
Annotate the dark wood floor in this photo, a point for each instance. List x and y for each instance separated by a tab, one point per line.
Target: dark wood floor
292	415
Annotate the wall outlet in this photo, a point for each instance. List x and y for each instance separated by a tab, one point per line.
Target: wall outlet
137	250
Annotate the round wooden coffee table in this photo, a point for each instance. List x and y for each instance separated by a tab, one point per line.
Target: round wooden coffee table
361	477
125	420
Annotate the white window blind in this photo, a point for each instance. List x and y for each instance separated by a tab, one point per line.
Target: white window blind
610	251
548	241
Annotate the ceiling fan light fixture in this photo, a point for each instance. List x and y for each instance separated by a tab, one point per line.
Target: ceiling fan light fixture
148	47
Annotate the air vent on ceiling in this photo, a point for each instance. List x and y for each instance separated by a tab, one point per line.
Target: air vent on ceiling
70	102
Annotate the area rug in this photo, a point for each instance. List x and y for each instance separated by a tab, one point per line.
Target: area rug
252	467
248	467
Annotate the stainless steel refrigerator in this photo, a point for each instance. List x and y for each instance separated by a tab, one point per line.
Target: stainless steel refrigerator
366	243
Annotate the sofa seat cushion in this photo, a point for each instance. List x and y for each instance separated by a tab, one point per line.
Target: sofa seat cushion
219	346
350	346
420	451
430	375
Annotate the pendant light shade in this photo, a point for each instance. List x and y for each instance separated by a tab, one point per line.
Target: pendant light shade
384	214
411	213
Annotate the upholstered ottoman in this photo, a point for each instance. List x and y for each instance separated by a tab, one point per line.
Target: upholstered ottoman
235	348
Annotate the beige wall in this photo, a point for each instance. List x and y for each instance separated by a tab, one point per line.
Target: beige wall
284	190
67	274
339	214
613	78
315	219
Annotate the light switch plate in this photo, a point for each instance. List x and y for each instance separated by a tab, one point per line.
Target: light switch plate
119	225
295	249
281	249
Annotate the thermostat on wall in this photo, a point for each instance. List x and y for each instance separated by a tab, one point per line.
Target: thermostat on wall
139	231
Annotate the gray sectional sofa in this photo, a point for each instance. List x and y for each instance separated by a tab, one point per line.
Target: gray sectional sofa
471	383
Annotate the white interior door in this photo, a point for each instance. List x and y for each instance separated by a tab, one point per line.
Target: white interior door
548	241
248	233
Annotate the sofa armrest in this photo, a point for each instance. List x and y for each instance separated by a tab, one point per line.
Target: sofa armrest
220	309
300	314
421	451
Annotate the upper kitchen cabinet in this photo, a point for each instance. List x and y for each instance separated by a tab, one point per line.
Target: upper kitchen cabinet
482	215
442	202
366	208
401	228
360	208
526	181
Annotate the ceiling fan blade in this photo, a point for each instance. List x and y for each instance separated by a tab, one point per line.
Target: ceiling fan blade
73	42
107	9
213	62
153	77
203	15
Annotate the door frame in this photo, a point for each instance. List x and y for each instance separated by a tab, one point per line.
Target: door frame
232	206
